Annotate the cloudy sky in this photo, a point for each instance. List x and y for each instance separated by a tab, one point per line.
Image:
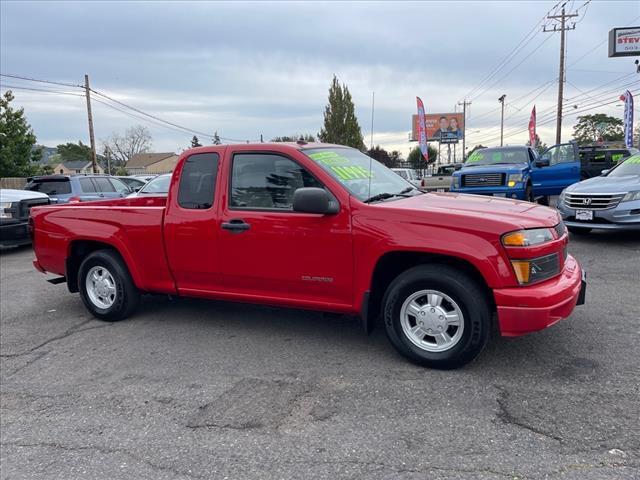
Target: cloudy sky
246	69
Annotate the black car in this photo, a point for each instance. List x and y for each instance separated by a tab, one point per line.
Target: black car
597	158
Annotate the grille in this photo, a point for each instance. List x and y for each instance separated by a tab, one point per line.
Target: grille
592	201
483	180
559	228
25	206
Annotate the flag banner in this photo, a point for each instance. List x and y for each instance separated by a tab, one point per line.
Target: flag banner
422	131
532	128
628	118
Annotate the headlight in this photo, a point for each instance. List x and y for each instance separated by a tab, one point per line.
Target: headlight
5	206
629	197
455	182
527	238
513	179
533	270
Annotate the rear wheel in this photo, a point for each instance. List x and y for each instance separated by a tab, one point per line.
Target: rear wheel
579	230
437	316
106	287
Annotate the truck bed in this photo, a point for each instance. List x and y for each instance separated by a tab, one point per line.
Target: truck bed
132	225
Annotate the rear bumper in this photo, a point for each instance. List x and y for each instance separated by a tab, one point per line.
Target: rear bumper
523	310
12	234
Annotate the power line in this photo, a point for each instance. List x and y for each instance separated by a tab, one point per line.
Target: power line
40	81
528	38
16	87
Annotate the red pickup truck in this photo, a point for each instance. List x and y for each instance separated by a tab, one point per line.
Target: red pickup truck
321	227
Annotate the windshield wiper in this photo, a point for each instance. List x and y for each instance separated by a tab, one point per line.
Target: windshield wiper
386	195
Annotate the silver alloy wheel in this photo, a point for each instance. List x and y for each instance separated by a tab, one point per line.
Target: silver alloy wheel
431	320
101	287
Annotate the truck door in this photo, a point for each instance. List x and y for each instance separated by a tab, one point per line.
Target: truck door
191	225
270	251
557	168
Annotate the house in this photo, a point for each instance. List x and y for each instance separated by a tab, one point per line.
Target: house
76	167
142	163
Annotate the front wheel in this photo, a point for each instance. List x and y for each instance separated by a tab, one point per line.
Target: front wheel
528	194
437	316
106	287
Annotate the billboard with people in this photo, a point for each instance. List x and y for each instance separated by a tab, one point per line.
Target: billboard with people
441	127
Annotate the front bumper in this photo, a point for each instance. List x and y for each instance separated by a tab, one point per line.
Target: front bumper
523	310
14	233
624	216
507	192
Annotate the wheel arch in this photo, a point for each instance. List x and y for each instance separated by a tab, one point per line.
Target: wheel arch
79	249
393	263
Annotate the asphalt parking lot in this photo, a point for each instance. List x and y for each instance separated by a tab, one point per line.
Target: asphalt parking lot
195	389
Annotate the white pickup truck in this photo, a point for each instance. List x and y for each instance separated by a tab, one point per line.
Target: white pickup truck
14	215
441	180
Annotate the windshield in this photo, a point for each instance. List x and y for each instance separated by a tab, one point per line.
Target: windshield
159	185
631	166
494	156
350	167
50	187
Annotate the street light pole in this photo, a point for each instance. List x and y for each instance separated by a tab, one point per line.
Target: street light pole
501	100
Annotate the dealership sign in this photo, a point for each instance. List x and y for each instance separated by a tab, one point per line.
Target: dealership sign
439	127
624	42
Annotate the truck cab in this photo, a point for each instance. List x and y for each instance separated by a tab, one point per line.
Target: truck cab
518	172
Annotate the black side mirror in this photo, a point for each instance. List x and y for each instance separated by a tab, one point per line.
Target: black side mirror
314	200
544	161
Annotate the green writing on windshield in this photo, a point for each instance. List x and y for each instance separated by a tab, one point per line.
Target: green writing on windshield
635	160
475	157
616	157
341	166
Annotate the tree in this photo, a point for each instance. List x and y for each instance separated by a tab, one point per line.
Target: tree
395	158
539	145
195	142
69	152
216	139
596	127
340	122
381	155
16	141
416	160
122	147
307	137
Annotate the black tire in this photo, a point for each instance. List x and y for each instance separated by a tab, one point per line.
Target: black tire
528	193
544	201
579	230
127	296
463	290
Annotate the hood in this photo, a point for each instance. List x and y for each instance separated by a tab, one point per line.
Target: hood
476	211
8	195
492	169
606	185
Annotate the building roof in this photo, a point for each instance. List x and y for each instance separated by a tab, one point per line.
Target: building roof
142	160
76	164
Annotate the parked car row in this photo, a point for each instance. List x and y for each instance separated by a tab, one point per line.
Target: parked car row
15	205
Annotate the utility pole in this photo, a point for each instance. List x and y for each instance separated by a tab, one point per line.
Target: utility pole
501	100
87	93
464	104
563	27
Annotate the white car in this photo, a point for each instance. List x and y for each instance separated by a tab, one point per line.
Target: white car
408	174
14	215
159	187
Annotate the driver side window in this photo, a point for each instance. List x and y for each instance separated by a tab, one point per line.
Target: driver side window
267	181
560	154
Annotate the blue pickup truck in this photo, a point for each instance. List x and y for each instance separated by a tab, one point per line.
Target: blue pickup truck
519	172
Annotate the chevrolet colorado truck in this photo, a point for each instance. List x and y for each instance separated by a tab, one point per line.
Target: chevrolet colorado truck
322	227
